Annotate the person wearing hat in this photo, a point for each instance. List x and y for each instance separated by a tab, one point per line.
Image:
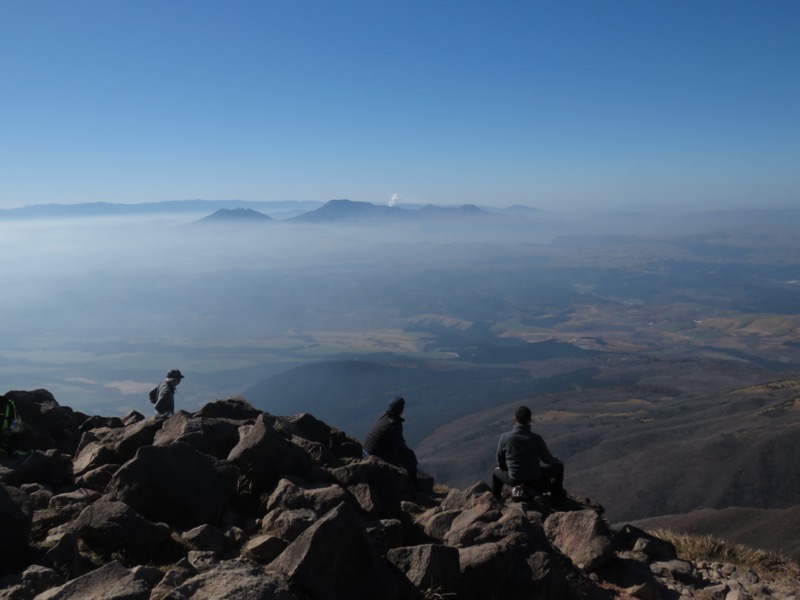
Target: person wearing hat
523	460
385	439
165	404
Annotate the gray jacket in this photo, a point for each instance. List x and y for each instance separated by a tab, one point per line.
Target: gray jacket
520	452
165	405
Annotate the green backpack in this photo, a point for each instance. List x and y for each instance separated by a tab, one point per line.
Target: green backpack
9	419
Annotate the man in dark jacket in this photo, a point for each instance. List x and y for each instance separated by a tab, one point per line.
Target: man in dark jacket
385	439
520	454
165	404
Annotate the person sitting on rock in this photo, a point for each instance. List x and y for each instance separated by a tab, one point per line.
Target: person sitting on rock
165	404
385	439
520	454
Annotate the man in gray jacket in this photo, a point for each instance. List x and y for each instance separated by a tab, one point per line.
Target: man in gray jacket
165	404
520	454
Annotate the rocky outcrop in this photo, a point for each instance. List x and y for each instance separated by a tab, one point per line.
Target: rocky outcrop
232	502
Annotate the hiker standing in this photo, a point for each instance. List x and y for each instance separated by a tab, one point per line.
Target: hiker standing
520	454
165	402
385	439
9	425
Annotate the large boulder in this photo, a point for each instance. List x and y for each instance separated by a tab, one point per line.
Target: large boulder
497	570
334	559
210	436
307	427
32	581
114	524
320	498
16	514
288	524
238	579
112	581
92	455
51	468
387	483
176	483
264	455
46	424
127	440
428	566
582	535
235	409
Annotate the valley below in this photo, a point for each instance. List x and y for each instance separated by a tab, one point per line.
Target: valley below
661	367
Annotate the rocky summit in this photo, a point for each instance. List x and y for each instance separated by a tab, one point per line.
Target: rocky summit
233	502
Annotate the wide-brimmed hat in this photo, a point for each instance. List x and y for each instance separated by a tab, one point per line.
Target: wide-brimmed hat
174	374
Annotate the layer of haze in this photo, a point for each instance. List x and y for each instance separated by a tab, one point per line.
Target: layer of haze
97	309
549	104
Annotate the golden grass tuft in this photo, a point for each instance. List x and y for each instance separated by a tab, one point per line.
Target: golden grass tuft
697	548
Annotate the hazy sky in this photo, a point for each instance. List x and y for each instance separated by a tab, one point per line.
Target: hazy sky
546	103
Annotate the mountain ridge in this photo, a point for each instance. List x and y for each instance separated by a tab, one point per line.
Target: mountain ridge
234	502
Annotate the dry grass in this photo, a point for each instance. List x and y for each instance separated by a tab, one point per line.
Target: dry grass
697	548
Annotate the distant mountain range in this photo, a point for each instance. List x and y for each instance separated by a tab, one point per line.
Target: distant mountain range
518	218
347	210
240	210
106	209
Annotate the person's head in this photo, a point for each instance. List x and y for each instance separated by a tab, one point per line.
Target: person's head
523	415
174	376
397	405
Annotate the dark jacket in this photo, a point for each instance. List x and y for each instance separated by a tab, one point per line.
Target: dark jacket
520	452
385	439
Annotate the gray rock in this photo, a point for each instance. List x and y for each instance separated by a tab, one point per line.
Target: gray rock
264	548
50	468
436	522
288	524
582	535
352	570
126	442
46	424
428	566
204	537
33	580
93	455
288	495
65	556
679	570
211	436
238	579
264	455
388	484
496	570
112	524
176	484
236	409
80	496
112	581
16	516
202	560
97	479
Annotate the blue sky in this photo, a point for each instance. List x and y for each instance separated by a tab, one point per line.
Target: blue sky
594	103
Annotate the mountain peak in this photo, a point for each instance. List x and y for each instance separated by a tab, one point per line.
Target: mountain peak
238	215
